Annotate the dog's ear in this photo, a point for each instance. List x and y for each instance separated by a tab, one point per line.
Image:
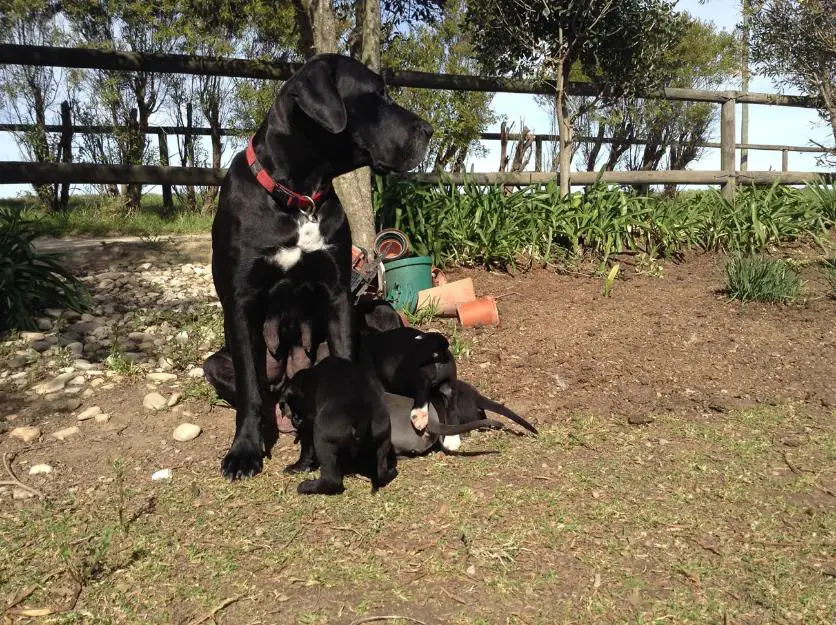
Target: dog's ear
318	97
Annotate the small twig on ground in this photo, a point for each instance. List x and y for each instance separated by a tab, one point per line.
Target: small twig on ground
452	596
390	617
505	294
16	482
713	550
221	606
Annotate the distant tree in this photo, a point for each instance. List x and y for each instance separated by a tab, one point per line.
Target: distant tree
126	99
794	43
458	117
616	43
29	93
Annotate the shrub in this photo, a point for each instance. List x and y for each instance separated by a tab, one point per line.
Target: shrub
760	279
31	280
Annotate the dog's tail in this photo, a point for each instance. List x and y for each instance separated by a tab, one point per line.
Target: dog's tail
488	404
442	429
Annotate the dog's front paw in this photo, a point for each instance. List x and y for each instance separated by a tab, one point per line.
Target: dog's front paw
244	459
420	417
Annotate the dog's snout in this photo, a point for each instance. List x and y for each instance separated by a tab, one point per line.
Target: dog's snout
424	128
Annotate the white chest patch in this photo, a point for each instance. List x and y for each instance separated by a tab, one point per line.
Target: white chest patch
310	240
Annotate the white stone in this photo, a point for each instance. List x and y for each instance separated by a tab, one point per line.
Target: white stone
91	412
66	432
186	432
161	377
39	469
174	399
181	338
26	433
102	418
55	384
21	493
195	372
77	381
154	401
96	382
162	474
31	337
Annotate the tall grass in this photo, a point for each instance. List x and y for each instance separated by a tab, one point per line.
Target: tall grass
760	279
486	225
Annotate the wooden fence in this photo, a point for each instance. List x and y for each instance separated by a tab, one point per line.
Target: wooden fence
726	176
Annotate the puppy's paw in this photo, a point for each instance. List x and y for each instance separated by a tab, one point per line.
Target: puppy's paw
299	467
244	459
451	443
420	417
319	487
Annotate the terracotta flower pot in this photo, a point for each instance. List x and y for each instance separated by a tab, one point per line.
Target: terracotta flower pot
481	312
448	297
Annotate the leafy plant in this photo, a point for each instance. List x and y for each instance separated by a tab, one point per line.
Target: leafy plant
31	280
610	279
760	279
830	274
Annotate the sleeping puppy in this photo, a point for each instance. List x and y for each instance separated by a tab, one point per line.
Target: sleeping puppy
465	405
407	441
411	363
417	365
342	424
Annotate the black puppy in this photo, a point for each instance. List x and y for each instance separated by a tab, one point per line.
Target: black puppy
465	405
420	365
410	362
279	220
342	424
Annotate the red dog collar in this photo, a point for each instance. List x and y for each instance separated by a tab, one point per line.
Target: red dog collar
305	203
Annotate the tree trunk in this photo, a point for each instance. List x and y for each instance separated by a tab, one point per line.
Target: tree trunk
564	126
355	188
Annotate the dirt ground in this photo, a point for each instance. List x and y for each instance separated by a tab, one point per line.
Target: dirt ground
719	508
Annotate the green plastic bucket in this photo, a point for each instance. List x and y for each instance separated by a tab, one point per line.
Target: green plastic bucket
404	278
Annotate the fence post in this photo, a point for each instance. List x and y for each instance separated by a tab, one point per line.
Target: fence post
727	148
162	139
785	160
66	145
538	154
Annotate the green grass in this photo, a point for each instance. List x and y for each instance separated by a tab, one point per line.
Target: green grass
725	518
829	266
761	279
95	215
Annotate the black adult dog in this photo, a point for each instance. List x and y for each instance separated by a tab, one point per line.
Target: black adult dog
342	424
280	223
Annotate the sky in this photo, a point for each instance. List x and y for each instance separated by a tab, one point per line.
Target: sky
767	124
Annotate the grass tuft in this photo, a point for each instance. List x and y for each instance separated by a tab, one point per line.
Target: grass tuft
760	279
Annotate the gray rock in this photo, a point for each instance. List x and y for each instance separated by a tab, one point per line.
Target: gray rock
82	365
89	413
77	381
55	313
186	432
31	337
41	346
154	401
44	324
26	433
75	348
55	384
161	377
21	493
102	418
65	433
17	362
64	404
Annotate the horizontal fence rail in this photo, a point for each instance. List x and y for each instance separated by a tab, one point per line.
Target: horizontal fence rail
88	58
85	173
485	136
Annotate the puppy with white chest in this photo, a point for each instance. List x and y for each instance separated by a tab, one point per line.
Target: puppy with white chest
342	425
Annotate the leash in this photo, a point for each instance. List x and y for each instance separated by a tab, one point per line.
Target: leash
307	204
